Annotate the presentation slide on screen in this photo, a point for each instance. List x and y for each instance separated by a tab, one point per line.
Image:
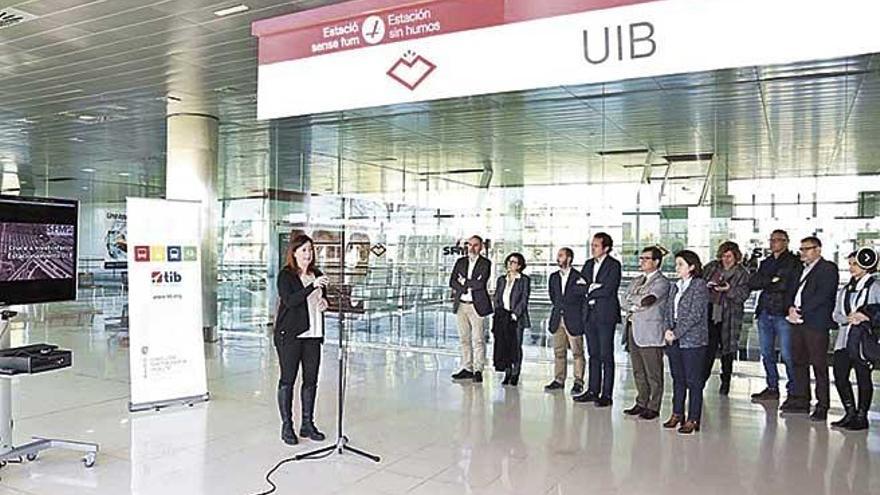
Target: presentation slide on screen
36	251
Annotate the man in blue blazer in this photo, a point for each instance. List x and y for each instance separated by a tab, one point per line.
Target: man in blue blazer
811	306
567	291
601	313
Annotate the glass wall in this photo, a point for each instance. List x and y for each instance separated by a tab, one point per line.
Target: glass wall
682	161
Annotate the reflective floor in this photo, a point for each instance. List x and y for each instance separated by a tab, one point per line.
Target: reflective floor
435	437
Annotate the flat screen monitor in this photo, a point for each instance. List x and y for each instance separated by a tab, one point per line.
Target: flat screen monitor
37	250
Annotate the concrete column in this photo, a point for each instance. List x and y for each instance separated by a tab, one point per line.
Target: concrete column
191	174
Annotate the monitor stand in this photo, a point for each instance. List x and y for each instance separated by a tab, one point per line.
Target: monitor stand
8	452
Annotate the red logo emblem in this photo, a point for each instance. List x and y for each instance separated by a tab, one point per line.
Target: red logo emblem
142	253
411	70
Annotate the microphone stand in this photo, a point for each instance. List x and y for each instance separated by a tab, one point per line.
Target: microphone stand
342	443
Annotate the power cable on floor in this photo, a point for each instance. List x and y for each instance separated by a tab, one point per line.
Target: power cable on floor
277	467
282	462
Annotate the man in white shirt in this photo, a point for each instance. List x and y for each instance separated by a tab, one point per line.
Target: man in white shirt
567	290
471	304
810	312
602	273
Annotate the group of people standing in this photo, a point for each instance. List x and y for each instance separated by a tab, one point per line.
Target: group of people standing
693	321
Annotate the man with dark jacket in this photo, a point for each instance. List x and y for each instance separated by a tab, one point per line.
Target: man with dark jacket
776	274
810	311
567	290
602	274
471	304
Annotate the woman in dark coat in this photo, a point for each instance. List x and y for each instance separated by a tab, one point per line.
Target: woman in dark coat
511	318
728	282
299	334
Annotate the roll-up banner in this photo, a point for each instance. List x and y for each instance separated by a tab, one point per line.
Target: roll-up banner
167	356
367	53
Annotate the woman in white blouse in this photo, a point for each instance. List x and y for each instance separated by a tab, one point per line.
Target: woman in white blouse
299	334
511	318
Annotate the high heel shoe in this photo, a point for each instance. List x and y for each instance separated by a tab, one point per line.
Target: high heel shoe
514	380
689	427
674	421
507	379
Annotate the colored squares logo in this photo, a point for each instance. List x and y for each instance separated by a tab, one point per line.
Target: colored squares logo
171	254
175	253
142	253
190	253
157	253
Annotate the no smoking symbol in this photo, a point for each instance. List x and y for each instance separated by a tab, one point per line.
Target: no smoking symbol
373	29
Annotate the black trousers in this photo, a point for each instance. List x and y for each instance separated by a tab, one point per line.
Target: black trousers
293	353
504	323
843	365
600	348
809	348
712	350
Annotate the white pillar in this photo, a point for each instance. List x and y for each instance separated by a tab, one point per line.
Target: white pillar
191	174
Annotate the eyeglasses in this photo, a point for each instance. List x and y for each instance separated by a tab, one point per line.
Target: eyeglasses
807	248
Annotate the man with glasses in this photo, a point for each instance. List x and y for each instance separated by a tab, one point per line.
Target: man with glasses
810	311
776	274
645	303
471	304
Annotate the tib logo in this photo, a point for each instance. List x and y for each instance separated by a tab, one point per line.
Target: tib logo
163	278
171	254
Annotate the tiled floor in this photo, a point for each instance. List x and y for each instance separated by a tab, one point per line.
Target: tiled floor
435	437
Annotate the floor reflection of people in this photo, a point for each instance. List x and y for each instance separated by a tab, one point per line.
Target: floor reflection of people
507	442
600	446
767	473
473	437
851	473
802	459
646	469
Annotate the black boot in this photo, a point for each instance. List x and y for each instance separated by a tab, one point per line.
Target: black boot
285	407
860	420
507	375
308	429
847	418
726	373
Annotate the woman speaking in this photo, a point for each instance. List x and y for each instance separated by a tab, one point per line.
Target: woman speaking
299	334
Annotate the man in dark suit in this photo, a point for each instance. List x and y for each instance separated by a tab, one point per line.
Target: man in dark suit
601	312
471	304
567	290
810	309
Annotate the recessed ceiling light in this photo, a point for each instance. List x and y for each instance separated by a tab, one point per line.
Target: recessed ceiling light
88	170
76	140
85	188
87	118
232	10
124	174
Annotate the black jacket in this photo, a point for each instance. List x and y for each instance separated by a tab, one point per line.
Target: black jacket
819	295
775	277
292	317
569	306
602	306
519	298
476	283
